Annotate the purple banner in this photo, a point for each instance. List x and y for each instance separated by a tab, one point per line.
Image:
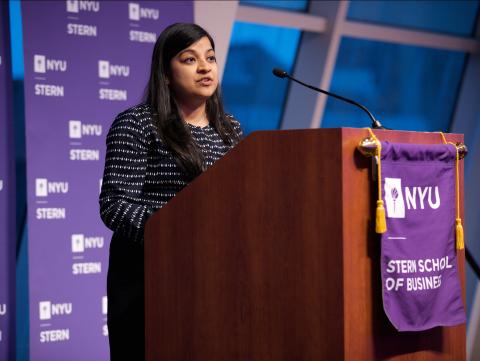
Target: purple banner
7	196
85	61
421	288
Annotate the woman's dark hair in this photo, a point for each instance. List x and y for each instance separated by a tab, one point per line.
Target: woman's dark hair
167	118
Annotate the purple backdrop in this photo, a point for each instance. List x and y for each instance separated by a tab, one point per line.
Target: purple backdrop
7	194
85	61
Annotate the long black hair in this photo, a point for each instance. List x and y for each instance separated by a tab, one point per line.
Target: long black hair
168	121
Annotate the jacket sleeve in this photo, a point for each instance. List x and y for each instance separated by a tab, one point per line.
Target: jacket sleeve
124	177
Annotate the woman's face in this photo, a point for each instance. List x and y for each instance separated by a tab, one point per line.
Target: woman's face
194	72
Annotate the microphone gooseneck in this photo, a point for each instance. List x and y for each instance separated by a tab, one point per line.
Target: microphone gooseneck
283	74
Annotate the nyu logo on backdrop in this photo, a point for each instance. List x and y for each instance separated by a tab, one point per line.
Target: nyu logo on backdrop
135	12
51	213
49	90
142	36
112	94
106	70
104	312
47	309
1	184
80	243
41	64
81	29
104	305
76	129
85	154
415	198
86	268
75	6
55	335
43	187
3	312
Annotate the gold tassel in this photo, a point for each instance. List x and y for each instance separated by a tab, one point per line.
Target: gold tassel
459	233
460	241
380	221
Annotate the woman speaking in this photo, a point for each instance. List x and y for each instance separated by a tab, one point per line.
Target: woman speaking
154	150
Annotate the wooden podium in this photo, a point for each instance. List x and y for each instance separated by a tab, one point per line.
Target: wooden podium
271	255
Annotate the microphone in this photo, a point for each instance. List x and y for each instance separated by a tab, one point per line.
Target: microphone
279	72
283	74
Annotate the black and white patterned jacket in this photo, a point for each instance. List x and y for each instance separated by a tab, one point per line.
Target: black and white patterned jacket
141	174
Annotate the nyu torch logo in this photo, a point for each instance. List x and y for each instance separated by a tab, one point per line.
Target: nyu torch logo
43	187
76	130
394	198
107	70
48	309
104	305
41	64
412	198
135	12
75	6
80	242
